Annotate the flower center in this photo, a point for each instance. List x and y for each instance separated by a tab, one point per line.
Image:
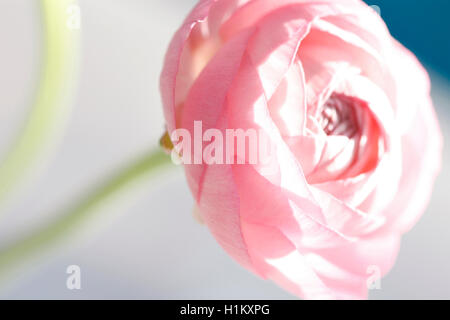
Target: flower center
338	116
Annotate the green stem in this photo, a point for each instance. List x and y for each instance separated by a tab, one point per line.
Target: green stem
82	211
61	51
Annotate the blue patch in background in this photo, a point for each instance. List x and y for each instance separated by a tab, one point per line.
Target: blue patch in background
423	27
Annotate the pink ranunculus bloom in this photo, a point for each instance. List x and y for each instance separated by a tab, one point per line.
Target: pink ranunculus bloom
358	145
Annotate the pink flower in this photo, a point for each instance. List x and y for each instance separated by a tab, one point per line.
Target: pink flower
348	108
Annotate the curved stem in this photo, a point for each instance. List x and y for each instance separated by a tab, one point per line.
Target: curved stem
83	210
61	50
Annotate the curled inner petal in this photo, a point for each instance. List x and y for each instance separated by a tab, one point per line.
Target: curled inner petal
338	116
341	128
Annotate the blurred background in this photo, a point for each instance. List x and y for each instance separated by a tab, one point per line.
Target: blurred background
145	244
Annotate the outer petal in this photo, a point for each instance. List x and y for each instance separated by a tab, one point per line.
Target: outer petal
254	11
422	150
172	60
207	100
410	77
220	209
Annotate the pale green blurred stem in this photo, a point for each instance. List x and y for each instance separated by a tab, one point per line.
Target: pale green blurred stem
81	212
61	51
59	70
